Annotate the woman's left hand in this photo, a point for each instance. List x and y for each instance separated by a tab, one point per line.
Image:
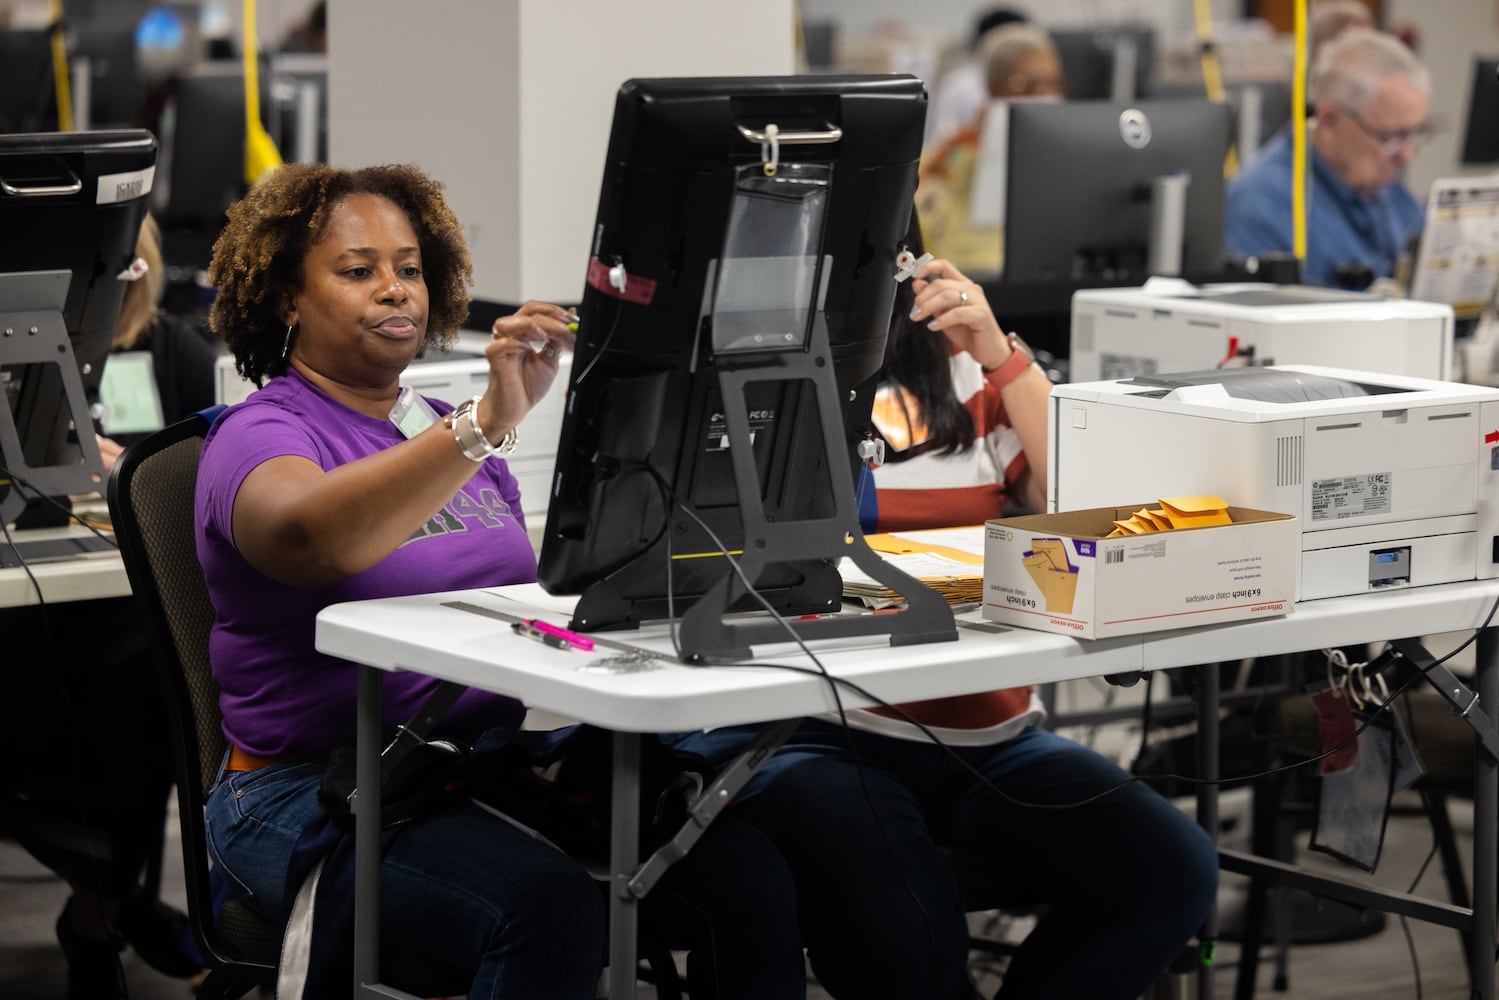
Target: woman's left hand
958	308
523	361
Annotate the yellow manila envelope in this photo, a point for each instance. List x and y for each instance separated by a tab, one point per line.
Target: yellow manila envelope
1053	573
1195	512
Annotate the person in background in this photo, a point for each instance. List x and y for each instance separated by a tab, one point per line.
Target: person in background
1371	95
1327	19
1020	63
328	283
961	94
98	687
183	351
1123	876
311	35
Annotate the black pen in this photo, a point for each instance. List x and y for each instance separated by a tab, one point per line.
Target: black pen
531	631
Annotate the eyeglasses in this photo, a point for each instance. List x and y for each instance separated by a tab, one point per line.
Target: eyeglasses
1391	140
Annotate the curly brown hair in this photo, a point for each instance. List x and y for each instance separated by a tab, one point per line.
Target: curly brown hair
258	258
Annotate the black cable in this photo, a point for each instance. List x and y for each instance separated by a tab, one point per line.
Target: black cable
604	344
669	496
18	481
1221	782
74	772
1144	722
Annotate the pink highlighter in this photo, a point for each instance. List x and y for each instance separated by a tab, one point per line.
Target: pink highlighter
573	639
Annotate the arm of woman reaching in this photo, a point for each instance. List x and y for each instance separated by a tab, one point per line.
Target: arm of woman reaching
957	307
306	527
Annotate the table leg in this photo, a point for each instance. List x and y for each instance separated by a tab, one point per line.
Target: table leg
624	857
1485	825
367	832
1207	801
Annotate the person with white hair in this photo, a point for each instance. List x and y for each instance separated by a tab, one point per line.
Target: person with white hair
1370	95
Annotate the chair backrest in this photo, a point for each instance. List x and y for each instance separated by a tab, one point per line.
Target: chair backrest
150	493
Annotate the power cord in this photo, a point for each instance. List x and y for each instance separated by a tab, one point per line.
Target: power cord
671	500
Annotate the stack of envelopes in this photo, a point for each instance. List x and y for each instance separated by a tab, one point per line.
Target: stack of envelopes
949	560
1174	512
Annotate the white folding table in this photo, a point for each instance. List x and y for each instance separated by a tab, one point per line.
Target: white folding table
466	637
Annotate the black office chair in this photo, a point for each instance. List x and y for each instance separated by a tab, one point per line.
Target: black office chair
151	503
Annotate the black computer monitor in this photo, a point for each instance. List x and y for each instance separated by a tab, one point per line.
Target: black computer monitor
71	206
1092	57
729	324
28	92
1481	137
1079	187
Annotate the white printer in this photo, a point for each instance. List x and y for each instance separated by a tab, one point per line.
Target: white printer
1395	480
454	377
1170	325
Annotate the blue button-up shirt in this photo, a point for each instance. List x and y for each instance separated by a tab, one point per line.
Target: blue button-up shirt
1342	228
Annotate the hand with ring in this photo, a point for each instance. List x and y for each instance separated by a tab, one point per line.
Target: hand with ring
958	308
522	358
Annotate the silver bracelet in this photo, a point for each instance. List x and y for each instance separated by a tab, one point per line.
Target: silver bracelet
471	440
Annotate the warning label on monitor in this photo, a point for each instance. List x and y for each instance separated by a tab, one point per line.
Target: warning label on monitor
718	427
1351	496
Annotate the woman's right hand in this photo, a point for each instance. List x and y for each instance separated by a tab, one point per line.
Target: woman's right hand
519	373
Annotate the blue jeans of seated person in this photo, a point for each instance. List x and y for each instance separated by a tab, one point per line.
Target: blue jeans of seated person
1126	880
472	891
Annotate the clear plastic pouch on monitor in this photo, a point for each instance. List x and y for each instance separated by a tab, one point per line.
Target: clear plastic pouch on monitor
771	278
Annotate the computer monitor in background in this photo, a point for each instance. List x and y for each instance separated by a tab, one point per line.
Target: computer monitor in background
1111	63
111	93
71	206
1481	137
28	94
737	301
203	132
203	137
168	39
1080	185
297	110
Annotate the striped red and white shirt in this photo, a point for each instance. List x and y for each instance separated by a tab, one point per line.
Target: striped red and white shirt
916	489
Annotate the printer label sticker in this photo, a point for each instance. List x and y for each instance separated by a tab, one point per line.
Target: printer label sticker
1351	496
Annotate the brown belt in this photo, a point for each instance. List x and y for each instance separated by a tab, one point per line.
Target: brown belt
240	760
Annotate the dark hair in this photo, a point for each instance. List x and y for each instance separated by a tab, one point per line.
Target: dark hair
994	17
258	258
919	361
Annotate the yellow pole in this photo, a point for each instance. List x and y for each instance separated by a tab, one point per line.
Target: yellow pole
1212	72
1298	139
60	81
260	149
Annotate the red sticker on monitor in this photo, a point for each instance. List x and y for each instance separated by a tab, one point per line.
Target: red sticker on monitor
636	289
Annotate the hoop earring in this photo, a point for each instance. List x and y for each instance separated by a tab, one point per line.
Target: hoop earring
286	344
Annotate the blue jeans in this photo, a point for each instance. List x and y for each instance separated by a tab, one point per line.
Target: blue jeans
1125	881
472	891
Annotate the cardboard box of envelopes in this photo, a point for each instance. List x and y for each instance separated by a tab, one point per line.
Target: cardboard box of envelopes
1125	570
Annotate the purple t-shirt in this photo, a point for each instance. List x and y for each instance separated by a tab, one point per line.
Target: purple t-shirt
278	694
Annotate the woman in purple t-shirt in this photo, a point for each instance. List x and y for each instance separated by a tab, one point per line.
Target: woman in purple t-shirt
313	491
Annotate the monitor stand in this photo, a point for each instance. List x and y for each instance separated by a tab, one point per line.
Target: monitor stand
706	635
33	334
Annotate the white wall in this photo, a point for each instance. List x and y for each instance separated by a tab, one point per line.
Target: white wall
508	103
1451	34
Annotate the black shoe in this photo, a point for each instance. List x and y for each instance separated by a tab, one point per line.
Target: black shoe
159	934
94	971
